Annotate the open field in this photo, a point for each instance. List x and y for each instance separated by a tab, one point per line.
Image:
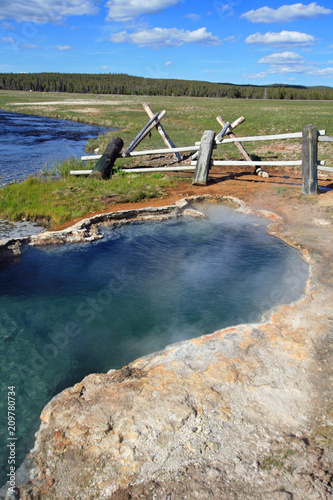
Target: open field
186	120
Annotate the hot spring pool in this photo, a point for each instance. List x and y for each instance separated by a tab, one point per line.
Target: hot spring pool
70	310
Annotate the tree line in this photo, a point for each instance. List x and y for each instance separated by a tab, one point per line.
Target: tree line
135	85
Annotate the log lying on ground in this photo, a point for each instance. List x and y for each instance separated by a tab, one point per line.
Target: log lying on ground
103	168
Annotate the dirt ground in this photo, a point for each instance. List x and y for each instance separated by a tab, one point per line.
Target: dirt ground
282	188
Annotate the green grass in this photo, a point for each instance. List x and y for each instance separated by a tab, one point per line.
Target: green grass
186	119
54	201
280	189
270	462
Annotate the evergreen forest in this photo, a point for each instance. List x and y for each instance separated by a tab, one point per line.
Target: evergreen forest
135	85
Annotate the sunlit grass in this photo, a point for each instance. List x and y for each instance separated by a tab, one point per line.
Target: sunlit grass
55	200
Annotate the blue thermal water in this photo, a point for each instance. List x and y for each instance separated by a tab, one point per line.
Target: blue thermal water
70	310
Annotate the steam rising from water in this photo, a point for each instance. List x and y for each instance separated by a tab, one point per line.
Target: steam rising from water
70	310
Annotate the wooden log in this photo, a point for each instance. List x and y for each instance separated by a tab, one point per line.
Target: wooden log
237	122
161	131
243	151
309	159
163	151
327	169
142	170
234	124
223	132
90	157
238	145
241	163
254	138
185	168
204	158
144	132
182	149
325	138
80	172
103	167
273	163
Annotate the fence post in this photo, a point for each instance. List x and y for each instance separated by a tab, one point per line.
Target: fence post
204	158
309	159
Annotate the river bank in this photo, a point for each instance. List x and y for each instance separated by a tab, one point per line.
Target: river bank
244	413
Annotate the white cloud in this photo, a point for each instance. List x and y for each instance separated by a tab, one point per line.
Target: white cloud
165	37
125	10
193	17
7	26
286	13
45	11
326	72
284	69
282	58
168	63
62	47
223	9
282	63
255	76
7	39
231	39
104	67
282	39
290	62
29	46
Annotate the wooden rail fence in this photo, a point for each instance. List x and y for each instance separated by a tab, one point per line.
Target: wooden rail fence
310	136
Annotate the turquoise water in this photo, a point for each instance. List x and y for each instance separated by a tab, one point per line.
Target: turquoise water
70	310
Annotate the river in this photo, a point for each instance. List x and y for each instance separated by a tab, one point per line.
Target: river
29	144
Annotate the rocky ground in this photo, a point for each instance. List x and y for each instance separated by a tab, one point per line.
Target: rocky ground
243	413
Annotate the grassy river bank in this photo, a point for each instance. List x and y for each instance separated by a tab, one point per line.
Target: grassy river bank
55	197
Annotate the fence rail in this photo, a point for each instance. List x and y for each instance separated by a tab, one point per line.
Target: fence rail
184	149
141	170
310	136
291	135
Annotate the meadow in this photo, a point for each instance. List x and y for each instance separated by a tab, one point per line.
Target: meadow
50	197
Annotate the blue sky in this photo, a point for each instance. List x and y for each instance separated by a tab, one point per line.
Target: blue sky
234	41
